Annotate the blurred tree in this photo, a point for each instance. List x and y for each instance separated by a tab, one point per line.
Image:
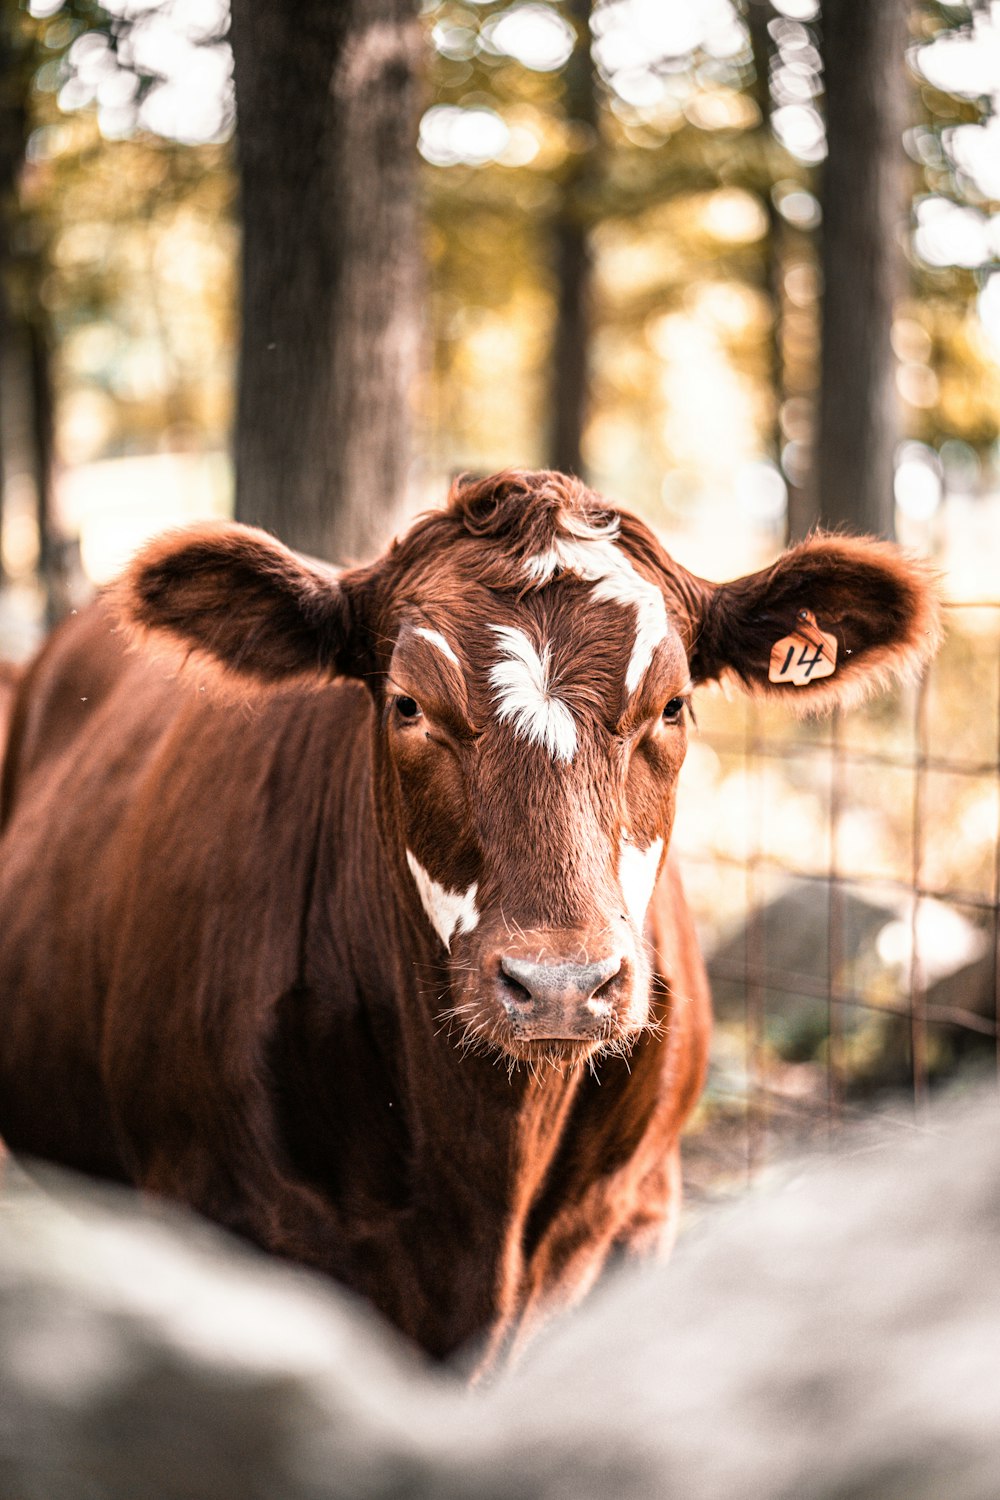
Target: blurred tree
864	207
327	114
572	254
26	408
759	15
11	155
614	151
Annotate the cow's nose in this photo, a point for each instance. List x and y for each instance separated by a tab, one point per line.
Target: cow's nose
558	999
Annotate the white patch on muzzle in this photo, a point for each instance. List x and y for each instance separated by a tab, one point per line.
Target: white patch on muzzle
609	569
523	696
637	871
448	911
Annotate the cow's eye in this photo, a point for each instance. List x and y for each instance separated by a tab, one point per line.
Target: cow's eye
407	708
674	711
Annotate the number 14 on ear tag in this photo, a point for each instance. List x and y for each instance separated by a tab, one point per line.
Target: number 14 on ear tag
804	656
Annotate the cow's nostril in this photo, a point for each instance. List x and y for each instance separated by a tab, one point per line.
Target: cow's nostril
561	999
516	993
561	982
603	996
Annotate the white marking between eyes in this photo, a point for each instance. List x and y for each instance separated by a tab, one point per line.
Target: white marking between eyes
607	567
521	680
448	911
637	871
437	639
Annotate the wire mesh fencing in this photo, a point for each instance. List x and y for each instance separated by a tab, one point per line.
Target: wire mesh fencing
845	874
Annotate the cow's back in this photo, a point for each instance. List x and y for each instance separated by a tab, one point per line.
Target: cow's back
156	849
58	695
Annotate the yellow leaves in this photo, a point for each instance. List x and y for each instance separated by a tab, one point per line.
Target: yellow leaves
732	216
732	308
632	265
949	366
722	109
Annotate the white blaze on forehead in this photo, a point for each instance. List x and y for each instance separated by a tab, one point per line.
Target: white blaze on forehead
579	526
604	564
637	870
437	639
448	911
521	680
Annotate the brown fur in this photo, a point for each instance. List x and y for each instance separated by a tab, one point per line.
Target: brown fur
9	675
218	977
881	604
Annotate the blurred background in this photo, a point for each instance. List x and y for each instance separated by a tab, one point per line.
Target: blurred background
737	262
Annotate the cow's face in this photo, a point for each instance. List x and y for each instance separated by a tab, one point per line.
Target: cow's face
531	654
531	732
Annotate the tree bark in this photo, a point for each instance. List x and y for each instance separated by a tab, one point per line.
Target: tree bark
573	260
52	568
4	359
758	14
327	97
11	157
864	205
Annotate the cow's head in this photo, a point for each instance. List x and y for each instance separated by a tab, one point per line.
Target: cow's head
531	654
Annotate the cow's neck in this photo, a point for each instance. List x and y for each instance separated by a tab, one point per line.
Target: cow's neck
447	1154
470	1121
482	1144
494	1128
477	1132
442	1149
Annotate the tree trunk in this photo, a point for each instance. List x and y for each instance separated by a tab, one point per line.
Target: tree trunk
4	359
51	544
573	262
11	156
864	205
327	98
758	14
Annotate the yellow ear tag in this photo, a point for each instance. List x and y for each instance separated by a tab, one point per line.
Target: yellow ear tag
804	656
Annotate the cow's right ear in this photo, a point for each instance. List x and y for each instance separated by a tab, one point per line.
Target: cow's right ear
235	598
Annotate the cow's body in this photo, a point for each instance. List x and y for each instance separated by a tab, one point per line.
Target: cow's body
440	1187
219	981
8	682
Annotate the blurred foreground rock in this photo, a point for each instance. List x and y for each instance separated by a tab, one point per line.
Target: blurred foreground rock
835	1335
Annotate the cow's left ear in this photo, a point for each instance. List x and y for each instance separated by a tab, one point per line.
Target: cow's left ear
833	620
239	602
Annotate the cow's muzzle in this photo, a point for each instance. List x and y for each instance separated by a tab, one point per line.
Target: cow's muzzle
560	1000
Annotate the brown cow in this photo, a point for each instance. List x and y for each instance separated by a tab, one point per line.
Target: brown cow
379	971
8	681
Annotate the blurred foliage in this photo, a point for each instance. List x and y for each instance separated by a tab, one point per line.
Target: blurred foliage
676	223
699	201
704	220
140	244
141	250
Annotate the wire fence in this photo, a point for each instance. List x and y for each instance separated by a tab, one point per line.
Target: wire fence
857	974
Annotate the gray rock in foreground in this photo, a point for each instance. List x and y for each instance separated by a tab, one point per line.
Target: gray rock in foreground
834	1336
146	1356
837	1336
